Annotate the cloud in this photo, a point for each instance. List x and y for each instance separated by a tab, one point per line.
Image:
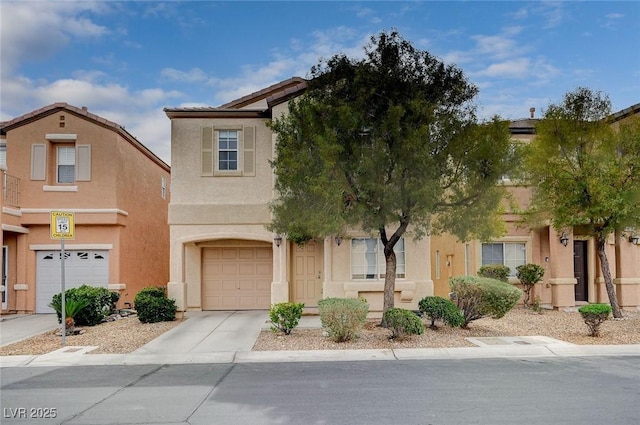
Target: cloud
32	33
194	75
612	20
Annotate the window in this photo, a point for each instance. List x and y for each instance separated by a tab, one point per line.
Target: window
510	254
163	188
3	154
228	151
368	262
66	164
467	259
437	264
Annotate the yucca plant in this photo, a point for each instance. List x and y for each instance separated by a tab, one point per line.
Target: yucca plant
72	307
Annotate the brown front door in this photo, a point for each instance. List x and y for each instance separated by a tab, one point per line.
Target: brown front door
580	269
307	273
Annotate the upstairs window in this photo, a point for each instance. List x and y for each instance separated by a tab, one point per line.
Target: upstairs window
66	164
228	150
3	154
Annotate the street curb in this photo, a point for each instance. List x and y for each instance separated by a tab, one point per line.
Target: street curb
79	358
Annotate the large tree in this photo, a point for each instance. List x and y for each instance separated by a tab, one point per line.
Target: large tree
388	144
586	173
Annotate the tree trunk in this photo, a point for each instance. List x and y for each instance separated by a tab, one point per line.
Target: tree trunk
606	273
389	282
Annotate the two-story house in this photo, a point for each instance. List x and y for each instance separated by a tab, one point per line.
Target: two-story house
572	270
223	257
64	158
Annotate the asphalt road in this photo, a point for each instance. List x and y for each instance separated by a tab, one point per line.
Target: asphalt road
593	390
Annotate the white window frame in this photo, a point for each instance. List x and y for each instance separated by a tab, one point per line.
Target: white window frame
163	187
3	154
512	262
437	264
223	135
370	265
65	162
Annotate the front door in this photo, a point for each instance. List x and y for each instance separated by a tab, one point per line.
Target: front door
5	262
580	269
307	273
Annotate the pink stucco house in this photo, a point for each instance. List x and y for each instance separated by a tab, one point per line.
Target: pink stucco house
64	158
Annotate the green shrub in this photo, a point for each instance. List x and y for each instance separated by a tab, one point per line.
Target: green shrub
594	315
478	297
285	316
495	271
152	305
100	302
403	322
529	275
343	318
438	308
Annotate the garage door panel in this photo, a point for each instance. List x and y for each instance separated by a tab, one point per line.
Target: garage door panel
239	278
90	267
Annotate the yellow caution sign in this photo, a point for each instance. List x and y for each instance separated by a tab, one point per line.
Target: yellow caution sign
62	225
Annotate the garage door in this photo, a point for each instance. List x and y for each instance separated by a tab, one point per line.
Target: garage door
90	267
236	278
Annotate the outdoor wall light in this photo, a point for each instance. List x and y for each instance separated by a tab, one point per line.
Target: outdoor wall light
634	239
564	239
278	240
338	240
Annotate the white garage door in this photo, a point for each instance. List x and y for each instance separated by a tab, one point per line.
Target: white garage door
236	278
90	267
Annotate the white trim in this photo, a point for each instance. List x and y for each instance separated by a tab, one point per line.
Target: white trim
58	136
12	211
117	286
20	287
59	188
76	210
17	229
71	247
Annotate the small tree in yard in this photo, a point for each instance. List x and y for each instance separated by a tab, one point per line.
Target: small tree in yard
594	315
388	144
586	174
529	275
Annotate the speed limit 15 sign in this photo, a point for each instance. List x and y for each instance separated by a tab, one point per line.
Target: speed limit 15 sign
62	225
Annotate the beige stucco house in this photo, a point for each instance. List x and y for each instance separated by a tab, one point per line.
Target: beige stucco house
64	158
572	272
223	257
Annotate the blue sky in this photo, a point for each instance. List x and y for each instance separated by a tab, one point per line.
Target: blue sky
126	61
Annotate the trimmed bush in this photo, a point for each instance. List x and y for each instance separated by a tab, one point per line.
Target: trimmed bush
529	275
343	318
285	316
495	271
403	322
438	308
478	297
152	305
100	302
594	315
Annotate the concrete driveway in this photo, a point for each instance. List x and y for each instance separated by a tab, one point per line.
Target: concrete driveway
16	327
208	332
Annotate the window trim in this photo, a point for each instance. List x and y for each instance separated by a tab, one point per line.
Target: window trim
246	151
512	240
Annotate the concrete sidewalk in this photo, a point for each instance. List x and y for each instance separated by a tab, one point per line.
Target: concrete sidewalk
228	337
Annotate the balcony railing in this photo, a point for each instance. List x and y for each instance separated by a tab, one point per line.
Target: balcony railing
10	190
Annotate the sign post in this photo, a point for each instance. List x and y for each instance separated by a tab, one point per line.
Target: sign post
62	227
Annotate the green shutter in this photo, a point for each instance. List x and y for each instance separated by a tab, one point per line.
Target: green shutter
206	151
249	151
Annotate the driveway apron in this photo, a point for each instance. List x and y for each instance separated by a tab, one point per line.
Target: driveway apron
208	332
16	327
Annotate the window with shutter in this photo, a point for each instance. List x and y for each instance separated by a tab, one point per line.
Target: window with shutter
206	151
249	152
228	151
83	171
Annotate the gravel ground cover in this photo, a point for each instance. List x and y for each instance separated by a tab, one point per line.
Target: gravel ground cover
566	326
117	337
128	334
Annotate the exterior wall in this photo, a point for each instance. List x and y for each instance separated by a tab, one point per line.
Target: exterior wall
119	208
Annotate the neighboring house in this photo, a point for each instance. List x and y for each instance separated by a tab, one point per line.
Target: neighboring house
223	257
572	276
64	158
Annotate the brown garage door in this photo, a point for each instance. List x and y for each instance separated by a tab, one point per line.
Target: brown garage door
236	278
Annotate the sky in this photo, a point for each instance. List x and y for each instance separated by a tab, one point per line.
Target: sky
126	61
